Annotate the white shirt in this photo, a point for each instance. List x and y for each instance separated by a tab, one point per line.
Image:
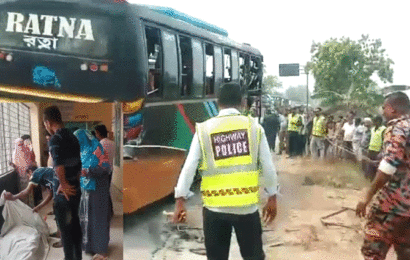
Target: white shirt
191	164
109	148
348	132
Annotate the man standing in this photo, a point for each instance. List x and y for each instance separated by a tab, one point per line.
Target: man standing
271	125
102	135
317	143
375	146
348	129
230	149
389	215
65	151
294	128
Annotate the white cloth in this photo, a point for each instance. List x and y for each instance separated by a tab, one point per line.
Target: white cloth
191	164
24	235
348	132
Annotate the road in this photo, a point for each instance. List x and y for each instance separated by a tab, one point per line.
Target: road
309	191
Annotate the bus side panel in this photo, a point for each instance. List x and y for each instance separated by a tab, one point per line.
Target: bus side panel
174	128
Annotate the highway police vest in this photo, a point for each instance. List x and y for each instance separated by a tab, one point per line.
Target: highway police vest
319	127
293	123
376	139
229	161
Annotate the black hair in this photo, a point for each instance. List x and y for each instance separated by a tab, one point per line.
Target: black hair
230	95
399	101
357	121
26	137
378	119
52	114
102	130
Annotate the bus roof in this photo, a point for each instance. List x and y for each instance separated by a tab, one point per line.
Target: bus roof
189	19
180	25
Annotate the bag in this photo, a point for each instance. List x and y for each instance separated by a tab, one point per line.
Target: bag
87	183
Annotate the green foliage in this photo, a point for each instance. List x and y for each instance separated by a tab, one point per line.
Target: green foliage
271	84
343	69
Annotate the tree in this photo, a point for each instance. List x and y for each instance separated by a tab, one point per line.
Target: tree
343	69
271	84
297	94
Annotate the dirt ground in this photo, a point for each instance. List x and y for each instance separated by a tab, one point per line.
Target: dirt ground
309	190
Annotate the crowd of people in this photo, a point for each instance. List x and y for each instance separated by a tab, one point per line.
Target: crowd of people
326	136
77	179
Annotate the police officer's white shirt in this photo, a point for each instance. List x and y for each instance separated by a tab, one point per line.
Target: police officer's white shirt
191	164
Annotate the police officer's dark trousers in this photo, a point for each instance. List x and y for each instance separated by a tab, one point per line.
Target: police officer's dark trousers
218	232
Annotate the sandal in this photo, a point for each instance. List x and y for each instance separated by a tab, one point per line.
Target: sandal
99	257
54	235
58	244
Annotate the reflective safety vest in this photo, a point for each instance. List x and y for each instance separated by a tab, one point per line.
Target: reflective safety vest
376	139
319	126
229	161
293	123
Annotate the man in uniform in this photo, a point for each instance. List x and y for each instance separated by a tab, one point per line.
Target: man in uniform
375	146
294	127
230	150
317	143
389	215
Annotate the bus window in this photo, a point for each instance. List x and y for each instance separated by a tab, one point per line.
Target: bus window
170	80
227	65
209	69
244	70
154	51
185	45
256	73
218	68
198	69
14	122
235	66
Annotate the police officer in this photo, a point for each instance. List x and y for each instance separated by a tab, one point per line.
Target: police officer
231	150
317	143
294	129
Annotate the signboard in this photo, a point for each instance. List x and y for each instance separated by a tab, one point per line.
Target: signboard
286	70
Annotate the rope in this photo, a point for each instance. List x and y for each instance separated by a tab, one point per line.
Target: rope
350	152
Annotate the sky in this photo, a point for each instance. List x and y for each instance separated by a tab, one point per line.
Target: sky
284	30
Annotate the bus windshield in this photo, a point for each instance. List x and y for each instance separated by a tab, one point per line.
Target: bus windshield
55	32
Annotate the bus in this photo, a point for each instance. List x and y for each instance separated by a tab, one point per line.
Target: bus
161	68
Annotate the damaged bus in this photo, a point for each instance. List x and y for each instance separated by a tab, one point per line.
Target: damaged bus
159	69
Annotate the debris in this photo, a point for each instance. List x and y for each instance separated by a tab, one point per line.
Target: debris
327	222
308	181
292	229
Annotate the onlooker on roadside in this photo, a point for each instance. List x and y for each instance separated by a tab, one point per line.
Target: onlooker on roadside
294	126
330	140
339	137
364	143
357	138
317	146
348	129
283	130
375	146
271	125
